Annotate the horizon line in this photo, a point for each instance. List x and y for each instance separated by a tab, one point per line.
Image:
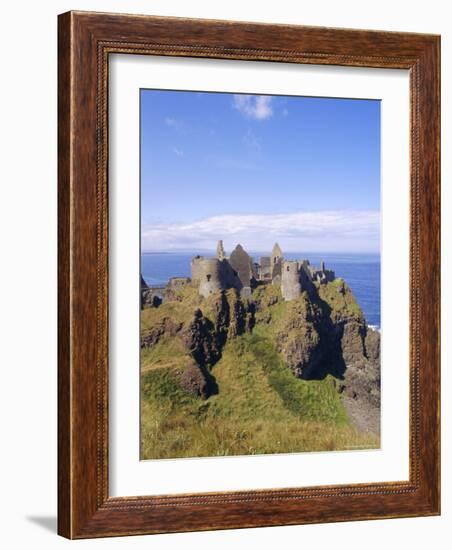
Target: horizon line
213	251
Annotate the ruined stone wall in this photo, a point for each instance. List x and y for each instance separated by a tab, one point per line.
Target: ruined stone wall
329	275
152	297
277	268
196	268
229	277
220	251
265	272
323	276
305	275
178	282
239	272
290	280
242	263
276	261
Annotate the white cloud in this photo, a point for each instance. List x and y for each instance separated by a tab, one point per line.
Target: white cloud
254	106
178	152
341	231
169	121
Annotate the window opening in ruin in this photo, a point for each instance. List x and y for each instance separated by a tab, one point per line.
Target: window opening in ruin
208	277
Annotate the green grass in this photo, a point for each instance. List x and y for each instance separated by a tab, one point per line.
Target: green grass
260	408
180	310
313	399
257	383
168	352
340	299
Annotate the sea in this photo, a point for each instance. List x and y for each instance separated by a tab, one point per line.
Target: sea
360	271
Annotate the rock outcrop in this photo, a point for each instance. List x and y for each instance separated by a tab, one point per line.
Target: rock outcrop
298	338
152	335
200	339
322	333
197	381
203	335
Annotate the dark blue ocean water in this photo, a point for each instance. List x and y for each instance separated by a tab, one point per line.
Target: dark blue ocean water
360	271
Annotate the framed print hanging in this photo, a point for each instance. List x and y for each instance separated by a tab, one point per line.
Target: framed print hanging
248	274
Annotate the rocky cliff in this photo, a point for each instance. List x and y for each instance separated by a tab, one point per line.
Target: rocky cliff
321	334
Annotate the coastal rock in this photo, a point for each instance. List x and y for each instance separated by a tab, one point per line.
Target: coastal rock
301	351
362	381
196	381
152	336
232	315
201	341
222	315
360	385
298	339
372	344
149	298
238	320
352	342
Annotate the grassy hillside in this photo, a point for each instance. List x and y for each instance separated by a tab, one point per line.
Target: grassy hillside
260	407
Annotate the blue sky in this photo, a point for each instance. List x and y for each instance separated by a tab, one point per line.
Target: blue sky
255	169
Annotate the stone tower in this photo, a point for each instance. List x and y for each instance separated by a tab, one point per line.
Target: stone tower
220	251
290	280
276	262
276	254
210	276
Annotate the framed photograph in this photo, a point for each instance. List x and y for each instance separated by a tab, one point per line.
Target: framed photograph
248	275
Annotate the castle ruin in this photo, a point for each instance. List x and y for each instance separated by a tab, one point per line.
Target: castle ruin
239	271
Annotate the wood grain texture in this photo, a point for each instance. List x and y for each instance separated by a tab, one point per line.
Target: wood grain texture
85	42
64	220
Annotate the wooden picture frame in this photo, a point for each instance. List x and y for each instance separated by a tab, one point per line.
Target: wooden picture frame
85	42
